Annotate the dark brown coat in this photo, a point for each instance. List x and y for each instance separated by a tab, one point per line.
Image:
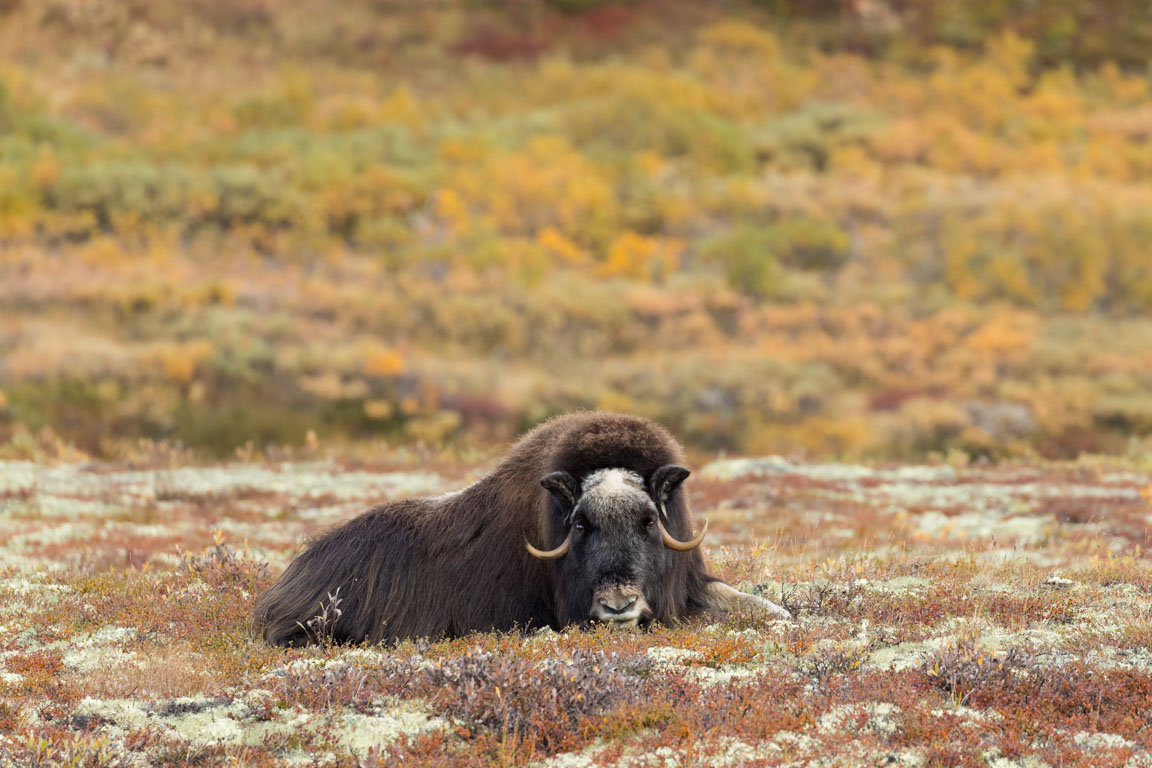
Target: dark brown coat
453	564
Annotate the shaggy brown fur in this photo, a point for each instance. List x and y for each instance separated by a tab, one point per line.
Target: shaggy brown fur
448	565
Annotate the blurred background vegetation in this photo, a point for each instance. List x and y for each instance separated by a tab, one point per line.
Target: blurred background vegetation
858	229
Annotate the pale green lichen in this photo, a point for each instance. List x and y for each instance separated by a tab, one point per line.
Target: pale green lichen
667	654
879	717
993	758
358	733
722	675
1102	741
207	722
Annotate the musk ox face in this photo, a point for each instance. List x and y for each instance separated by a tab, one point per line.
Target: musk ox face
616	556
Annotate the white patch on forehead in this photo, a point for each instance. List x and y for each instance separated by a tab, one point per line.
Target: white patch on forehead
613	481
613	494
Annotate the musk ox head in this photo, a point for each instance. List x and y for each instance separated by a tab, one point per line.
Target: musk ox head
618	550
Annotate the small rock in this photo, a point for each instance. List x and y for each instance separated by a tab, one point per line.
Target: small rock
1058	582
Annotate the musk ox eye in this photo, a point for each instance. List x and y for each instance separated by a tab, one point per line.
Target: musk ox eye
649	524
579	525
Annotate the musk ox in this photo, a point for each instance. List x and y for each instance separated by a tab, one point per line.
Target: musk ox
601	492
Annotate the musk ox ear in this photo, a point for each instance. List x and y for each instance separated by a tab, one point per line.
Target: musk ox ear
664	482
564	489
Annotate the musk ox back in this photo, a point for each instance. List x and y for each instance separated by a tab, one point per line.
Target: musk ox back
599	493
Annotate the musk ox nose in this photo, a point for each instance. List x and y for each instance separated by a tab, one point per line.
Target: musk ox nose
619	606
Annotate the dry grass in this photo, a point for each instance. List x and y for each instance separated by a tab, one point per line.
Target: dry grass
158	673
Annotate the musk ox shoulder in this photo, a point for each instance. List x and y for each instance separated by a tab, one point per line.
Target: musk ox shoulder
583	521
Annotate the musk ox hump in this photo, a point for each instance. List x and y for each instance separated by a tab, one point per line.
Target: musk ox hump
587	442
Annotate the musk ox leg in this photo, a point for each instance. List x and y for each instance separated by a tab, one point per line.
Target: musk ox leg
718	596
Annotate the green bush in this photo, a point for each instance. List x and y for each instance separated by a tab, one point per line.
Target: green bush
809	244
747	257
806	137
622	122
331	153
223	197
245	195
6	111
112	190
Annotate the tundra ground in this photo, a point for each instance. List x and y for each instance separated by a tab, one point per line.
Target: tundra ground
944	616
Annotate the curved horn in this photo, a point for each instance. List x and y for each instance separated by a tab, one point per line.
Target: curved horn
552	554
681	546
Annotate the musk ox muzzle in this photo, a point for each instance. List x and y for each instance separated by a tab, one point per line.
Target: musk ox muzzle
620	607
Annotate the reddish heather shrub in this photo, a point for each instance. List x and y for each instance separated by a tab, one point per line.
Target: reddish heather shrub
437	749
320	687
822	599
51	747
549	704
731	649
9	716
42	674
839	659
1025	608
962	666
680	708
220	566
1074	696
500	45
